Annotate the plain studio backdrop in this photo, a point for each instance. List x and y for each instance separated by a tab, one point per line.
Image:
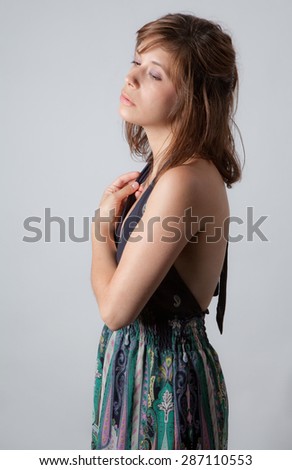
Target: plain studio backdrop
63	64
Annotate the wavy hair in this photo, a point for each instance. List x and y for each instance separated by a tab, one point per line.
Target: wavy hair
205	77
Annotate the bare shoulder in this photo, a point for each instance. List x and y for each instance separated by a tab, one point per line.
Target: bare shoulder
198	183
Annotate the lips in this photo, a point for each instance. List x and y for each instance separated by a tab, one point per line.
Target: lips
124	98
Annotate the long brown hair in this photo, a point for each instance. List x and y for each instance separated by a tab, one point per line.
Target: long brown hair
205	77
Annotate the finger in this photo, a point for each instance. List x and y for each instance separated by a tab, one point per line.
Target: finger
128	189
138	193
125	179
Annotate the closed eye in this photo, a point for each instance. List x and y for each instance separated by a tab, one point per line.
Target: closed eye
151	74
156	77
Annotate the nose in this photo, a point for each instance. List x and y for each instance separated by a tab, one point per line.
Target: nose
132	79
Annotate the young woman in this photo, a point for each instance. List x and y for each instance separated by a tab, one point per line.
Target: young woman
160	244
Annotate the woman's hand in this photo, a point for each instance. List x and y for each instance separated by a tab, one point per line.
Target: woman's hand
114	198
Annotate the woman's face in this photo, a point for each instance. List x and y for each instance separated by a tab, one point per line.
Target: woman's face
149	95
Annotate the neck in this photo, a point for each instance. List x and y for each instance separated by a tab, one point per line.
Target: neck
159	140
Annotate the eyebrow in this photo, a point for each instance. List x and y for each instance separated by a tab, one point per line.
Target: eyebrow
156	63
159	64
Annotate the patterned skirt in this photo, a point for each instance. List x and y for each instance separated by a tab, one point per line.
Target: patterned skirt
159	389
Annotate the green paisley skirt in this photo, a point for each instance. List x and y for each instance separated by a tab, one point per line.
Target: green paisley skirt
159	389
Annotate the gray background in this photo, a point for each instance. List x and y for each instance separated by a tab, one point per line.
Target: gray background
62	68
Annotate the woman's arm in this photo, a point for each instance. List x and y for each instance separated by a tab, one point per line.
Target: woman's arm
122	290
104	263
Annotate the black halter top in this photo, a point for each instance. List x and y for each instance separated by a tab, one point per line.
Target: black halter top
172	298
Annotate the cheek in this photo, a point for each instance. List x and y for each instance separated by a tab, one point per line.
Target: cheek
173	100
168	103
